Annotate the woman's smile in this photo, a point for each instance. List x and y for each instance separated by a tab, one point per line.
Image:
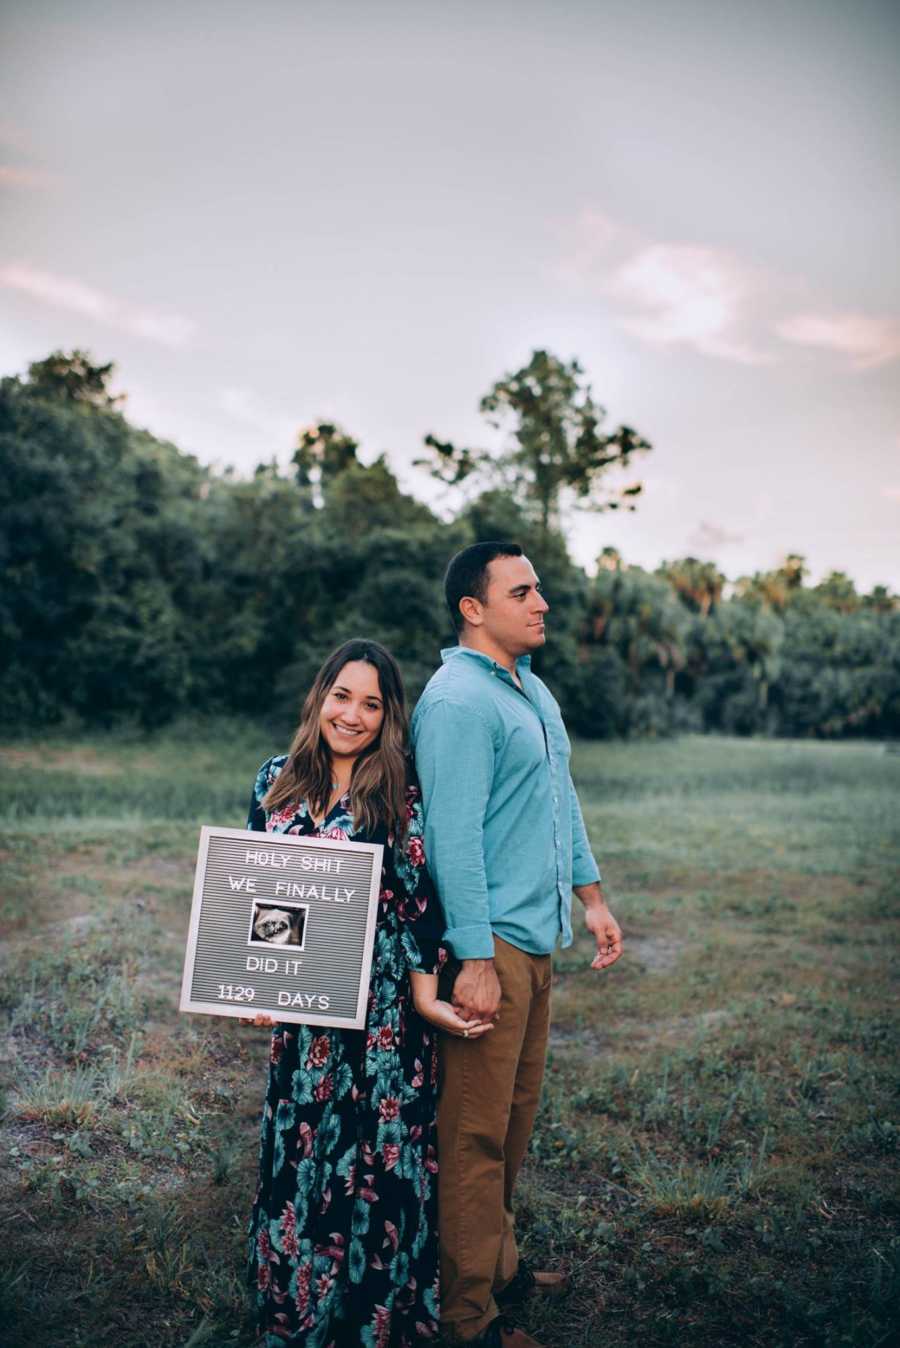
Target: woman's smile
353	712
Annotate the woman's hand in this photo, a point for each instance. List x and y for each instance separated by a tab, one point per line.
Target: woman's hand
445	1018
261	1020
442	1014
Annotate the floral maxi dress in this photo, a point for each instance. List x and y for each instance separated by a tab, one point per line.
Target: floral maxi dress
343	1235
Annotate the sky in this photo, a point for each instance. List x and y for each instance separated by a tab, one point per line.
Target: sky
276	213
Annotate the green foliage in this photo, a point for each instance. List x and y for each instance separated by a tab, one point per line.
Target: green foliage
97	551
555	447
323	452
141	587
73	378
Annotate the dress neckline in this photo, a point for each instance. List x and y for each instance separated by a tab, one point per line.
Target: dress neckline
339	805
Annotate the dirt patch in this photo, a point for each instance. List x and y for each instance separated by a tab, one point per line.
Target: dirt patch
81	923
674	1029
655	954
613	1037
91	878
787	885
85	761
569	1037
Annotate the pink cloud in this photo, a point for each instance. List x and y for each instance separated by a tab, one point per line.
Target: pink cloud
702	297
691	296
867	341
66	292
11	176
666	294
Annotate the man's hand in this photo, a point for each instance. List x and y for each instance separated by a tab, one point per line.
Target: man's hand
476	992
601	924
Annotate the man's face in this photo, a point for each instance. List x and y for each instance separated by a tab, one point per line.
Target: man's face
513	612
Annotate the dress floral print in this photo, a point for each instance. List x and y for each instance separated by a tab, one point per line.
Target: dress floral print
343	1236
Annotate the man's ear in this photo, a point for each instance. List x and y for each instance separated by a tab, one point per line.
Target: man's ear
471	609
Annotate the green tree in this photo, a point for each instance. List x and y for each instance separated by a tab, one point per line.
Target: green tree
838	591
98	548
73	377
635	617
323	452
734	658
554	449
368	496
777	588
698	584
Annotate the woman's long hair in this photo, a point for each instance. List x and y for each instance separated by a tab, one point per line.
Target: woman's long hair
378	781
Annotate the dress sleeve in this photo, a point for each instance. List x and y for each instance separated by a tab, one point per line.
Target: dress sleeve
417	902
256	815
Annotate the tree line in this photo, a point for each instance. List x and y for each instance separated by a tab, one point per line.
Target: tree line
140	585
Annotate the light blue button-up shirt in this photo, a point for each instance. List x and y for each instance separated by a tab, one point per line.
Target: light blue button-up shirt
504	836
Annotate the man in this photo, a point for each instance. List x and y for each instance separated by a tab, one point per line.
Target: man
506	843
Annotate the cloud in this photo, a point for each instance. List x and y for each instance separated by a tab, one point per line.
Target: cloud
868	341
711	537
698	296
65	292
666	294
691	296
891	493
11	176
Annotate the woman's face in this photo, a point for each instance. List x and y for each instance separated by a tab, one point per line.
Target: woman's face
353	710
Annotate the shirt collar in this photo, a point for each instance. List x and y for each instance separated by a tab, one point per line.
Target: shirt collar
452	652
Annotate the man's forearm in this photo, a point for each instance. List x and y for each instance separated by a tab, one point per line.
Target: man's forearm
591	896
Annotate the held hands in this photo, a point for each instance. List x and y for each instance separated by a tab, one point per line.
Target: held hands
476	991
443	1015
451	1019
431	1009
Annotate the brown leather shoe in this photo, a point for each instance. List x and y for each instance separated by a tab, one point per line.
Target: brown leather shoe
527	1281
502	1333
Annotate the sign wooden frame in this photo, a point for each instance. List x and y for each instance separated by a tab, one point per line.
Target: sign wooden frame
283	925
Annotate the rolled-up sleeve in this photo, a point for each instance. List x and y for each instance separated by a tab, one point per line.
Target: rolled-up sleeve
584	868
455	764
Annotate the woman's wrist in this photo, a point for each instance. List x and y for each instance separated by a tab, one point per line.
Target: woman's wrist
424	990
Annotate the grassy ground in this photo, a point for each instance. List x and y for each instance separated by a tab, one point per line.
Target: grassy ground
716	1157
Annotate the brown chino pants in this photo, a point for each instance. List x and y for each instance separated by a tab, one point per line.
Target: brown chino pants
489	1095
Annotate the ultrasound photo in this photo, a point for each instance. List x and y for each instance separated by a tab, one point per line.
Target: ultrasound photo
284	925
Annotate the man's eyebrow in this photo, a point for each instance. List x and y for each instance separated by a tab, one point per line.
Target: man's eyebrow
516	588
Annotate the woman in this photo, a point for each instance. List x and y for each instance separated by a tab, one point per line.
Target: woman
343	1233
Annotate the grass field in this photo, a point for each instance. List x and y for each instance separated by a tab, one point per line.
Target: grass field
716	1156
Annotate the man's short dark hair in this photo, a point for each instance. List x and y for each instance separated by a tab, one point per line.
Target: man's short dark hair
467	574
